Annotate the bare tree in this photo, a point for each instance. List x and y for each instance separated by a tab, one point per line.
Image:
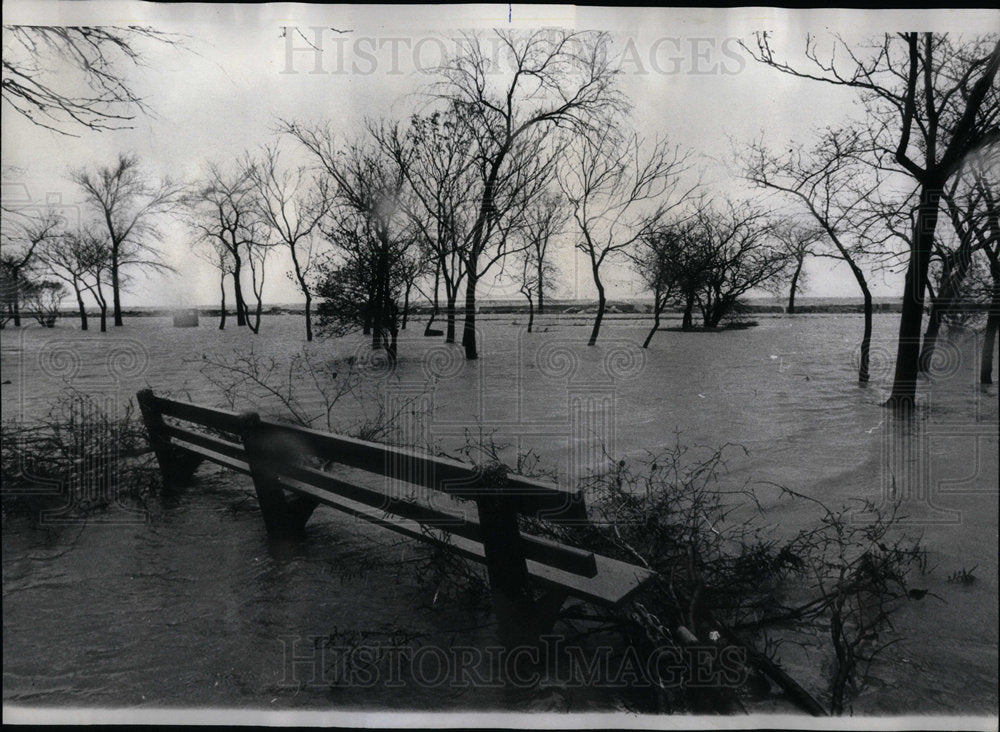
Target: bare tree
618	195
127	203
735	254
546	218
827	181
436	156
798	242
926	97
62	77
993	319
511	102
256	259
96	255
413	266
42	299
367	223
967	201
660	258
533	272
23	231
66	258
224	215
291	204
217	255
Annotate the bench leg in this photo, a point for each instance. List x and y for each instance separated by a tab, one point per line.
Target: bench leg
283	517
547	607
507	570
299	509
176	466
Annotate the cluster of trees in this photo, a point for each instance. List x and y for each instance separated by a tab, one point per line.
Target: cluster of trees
925	150
524	140
91	254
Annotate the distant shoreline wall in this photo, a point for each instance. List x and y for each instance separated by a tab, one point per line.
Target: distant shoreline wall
613	308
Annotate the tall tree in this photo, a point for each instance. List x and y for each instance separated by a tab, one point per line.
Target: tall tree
618	194
292	203
798	242
546	218
128	203
926	98
735	251
828	181
367	221
224	215
437	157
67	258
967	202
512	101
661	260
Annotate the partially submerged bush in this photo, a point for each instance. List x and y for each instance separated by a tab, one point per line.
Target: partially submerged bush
84	455
726	584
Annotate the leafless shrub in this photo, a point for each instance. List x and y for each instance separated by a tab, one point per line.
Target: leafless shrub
84	454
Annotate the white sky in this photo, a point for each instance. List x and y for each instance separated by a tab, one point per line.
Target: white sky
224	92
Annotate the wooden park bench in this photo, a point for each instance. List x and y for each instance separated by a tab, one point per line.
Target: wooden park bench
294	469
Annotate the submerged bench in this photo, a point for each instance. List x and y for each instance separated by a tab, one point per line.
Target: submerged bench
293	468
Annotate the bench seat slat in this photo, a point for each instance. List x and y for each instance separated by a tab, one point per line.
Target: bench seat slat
319	485
614	582
239	466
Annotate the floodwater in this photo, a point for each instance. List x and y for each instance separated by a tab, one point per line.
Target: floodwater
184	602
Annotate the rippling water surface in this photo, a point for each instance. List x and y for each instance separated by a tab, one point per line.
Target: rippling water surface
189	605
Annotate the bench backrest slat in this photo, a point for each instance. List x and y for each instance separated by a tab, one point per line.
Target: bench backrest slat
220	419
230	449
531	497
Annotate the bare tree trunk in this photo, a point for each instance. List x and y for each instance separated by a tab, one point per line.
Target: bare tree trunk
241	304
955	269
16	305
450	315
391	348
990	338
222	312
406	305
791	292
83	308
687	323
531	311
657	308
434	306
309	325
904	385
255	325
116	288
866	338
469	329
601	303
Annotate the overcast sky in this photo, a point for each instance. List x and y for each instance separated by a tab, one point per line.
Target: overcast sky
236	73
